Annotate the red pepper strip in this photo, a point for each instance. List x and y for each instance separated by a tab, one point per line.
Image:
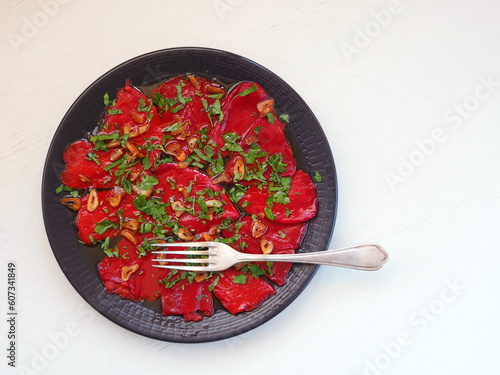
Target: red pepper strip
190	299
85	166
198	187
180	293
236	297
240	112
285	238
303	201
270	141
135	111
142	284
192	114
82	172
104	213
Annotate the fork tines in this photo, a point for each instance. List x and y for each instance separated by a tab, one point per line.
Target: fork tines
203	262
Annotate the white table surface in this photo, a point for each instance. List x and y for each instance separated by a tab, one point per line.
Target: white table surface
408	94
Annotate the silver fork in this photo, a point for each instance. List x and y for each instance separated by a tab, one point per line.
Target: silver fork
216	256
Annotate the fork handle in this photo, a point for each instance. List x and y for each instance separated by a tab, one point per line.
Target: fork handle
367	257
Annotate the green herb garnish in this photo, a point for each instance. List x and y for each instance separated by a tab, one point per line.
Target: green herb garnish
240	279
253	88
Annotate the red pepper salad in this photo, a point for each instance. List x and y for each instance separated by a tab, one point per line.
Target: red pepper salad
191	162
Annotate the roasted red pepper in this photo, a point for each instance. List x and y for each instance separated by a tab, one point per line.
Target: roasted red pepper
187	298
301	206
85	166
239	291
105	220
239	112
283	238
195	200
135	119
129	275
188	108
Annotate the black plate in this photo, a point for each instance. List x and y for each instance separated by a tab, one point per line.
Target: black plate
79	264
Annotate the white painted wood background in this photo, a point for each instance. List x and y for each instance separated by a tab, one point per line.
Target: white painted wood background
408	93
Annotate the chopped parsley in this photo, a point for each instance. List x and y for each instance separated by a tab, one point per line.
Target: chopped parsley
92	156
146	227
114	252
174	127
172	183
214	96
100	140
254	153
106	99
115	163
253	88
147	182
180	98
270	268
146	163
237	192
201	296
164	104
256	271
174	277
114	111
74	193
285	118
177	108
214	283
269	213
104	225
153	206
142	105
215	110
231	142
240	279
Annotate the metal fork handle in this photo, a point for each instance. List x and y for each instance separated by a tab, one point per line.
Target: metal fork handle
367	257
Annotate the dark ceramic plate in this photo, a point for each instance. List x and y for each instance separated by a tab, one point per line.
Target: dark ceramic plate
79	263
